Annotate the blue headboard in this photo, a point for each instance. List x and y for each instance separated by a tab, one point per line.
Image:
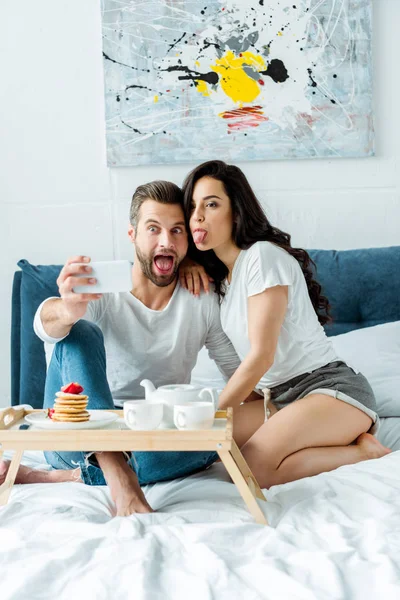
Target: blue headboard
363	287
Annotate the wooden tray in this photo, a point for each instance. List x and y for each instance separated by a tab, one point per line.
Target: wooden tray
218	439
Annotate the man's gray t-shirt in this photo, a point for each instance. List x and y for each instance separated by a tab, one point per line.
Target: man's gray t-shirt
160	345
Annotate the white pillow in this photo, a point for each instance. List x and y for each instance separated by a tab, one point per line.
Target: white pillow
375	351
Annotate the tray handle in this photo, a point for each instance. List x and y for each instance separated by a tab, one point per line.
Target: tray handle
10	416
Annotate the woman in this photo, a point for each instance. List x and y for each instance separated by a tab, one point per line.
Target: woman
272	310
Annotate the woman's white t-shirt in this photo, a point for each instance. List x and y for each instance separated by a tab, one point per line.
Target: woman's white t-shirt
302	345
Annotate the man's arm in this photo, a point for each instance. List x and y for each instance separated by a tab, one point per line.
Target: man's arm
58	315
55	320
220	348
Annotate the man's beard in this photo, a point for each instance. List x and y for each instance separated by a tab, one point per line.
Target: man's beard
147	262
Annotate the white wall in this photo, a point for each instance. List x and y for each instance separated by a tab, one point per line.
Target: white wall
57	196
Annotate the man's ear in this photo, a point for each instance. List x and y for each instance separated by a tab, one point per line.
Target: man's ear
131	233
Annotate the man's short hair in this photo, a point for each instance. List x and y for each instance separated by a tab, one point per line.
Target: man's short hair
164	192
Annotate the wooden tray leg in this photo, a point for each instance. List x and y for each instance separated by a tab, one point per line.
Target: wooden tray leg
5	488
246	472
245	491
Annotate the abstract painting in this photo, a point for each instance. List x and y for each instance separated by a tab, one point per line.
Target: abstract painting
239	80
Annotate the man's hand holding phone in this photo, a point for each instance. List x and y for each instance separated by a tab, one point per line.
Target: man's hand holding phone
81	281
76	271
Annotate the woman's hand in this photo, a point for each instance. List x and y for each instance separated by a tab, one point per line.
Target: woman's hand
192	276
253	396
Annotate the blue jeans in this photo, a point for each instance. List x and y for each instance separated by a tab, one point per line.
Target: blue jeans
81	357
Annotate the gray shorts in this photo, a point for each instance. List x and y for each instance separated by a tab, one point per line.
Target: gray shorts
335	379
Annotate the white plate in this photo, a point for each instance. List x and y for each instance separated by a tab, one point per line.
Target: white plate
98	419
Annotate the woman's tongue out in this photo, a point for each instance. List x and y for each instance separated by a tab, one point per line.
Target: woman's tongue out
199	236
164	264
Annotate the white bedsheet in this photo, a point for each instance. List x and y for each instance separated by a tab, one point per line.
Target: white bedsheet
334	536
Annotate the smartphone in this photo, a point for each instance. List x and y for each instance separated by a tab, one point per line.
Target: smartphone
111	275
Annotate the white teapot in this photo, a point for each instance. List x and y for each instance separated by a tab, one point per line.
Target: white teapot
177	393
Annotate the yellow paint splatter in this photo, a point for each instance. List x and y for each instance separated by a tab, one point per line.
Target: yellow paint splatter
197	63
202	88
234	80
155	98
280	33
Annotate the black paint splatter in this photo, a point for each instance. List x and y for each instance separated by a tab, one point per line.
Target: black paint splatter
210	77
177	42
130	127
276	70
207	44
144	132
313	82
142	87
124	65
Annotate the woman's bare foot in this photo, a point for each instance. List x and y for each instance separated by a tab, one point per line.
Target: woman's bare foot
371	447
28	475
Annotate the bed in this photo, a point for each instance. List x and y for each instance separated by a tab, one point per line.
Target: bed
333	536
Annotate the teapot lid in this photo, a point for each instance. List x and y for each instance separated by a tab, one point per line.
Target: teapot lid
179	386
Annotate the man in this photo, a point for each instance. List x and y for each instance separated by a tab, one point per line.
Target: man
109	343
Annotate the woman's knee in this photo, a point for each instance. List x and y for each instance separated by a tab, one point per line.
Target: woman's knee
264	469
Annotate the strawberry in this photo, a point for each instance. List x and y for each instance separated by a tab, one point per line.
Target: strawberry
72	388
77	389
66	388
50	413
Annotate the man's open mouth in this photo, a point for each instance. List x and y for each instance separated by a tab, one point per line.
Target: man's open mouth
164	263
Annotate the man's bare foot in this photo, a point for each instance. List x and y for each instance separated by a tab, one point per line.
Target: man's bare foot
371	447
28	475
123	483
128	496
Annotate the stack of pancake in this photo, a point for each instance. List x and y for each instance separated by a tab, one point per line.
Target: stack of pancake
70	408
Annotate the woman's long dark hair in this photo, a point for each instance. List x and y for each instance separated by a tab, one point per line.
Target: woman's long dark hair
250	225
